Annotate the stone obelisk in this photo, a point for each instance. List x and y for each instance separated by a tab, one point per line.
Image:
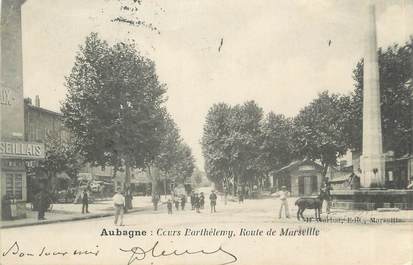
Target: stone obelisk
372	159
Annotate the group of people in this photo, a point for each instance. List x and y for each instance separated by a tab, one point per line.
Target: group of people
197	202
179	200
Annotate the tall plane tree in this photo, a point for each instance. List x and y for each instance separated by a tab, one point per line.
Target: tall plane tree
216	147
245	141
276	148
114	105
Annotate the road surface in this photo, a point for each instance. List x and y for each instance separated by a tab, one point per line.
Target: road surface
246	233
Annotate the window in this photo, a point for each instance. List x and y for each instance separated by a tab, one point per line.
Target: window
14	186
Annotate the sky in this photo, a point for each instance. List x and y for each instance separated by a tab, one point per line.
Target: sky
274	52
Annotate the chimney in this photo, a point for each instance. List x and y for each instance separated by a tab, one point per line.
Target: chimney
37	101
28	101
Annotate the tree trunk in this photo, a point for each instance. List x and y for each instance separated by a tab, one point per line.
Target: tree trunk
164	184
154	182
127	175
325	168
235	186
127	188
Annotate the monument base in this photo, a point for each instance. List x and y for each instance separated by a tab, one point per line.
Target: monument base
371	199
373	171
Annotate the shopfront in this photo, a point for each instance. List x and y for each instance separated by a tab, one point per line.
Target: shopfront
13	176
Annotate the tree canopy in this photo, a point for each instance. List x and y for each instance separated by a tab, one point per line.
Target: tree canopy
215	146
175	158
114	106
61	156
231	144
396	92
320	129
277	148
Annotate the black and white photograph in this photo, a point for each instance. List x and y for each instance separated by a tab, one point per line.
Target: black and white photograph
206	132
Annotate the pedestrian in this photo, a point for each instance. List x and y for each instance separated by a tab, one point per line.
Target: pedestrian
119	204
192	199
6	207
196	202
183	201
155	201
213	201
325	193
85	202
128	199
225	195
201	200
283	195
247	193
169	206
42	201
176	201
240	196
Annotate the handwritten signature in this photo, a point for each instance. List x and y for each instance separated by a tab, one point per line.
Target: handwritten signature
138	253
14	250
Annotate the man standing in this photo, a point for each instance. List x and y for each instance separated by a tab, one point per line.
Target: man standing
169	206
128	199
240	195
155	201
225	194
119	203
201	200
183	201
42	203
213	201
176	202
283	194
326	195
196	202
85	202
192	199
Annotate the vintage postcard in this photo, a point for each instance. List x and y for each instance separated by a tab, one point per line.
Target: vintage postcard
206	132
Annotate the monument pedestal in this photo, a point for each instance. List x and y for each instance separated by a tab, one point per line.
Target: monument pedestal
373	171
371	199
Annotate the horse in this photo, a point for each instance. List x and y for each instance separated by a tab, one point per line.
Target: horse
310	203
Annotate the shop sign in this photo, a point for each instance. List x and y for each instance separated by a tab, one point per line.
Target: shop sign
24	150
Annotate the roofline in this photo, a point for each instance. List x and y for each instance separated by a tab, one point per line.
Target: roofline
44	110
297	163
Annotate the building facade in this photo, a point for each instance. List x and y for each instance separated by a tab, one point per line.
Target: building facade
302	178
40	123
